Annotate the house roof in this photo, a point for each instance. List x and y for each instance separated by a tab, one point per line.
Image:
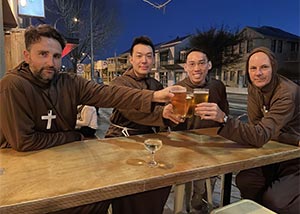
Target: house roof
174	41
177	39
274	32
163	44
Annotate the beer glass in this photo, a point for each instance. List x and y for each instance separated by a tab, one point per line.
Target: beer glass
190	104
201	95
179	101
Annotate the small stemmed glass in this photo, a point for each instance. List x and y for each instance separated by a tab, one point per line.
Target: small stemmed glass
152	145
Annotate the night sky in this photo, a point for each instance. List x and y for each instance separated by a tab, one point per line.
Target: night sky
182	17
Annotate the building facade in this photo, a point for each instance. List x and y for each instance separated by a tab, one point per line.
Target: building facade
283	44
170	57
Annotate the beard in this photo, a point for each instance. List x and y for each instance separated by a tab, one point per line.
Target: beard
46	73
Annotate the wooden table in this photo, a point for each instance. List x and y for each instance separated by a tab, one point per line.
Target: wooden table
88	171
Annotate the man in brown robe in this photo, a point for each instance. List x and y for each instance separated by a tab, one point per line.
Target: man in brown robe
197	67
132	122
273	114
38	104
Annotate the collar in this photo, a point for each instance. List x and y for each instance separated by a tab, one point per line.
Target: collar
130	72
189	83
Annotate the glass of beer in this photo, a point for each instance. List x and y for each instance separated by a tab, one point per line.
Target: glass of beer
179	101
190	104
200	95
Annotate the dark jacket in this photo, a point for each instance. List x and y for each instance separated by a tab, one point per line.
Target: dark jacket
135	121
25	101
217	94
273	114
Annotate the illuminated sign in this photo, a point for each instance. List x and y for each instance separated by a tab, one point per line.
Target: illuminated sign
33	8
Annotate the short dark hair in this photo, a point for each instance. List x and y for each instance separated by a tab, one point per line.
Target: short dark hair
142	40
34	34
197	50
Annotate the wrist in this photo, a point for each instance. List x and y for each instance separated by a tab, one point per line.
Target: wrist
224	119
155	96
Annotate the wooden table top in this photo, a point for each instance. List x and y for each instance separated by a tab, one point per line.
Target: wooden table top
88	171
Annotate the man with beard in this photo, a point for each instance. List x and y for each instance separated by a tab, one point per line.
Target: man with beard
38	105
197	67
273	114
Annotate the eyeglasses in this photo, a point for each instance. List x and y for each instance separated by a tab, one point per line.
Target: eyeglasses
200	64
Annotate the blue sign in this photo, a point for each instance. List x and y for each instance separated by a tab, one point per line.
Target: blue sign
33	8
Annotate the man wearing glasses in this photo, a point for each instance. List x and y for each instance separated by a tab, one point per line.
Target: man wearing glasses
197	67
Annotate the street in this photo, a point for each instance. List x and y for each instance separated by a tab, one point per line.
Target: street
237	104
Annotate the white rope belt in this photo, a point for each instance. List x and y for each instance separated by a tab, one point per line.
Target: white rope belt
125	129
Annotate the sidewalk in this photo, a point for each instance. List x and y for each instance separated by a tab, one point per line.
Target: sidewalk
235	196
103	121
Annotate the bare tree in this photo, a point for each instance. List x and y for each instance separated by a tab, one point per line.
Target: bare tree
75	15
219	44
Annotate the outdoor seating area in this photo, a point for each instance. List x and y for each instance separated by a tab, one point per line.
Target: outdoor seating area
129	153
149	107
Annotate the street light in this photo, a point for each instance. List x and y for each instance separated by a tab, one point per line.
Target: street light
75	19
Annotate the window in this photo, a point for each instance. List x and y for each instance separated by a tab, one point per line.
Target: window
273	45
279	48
163	77
177	76
241	78
164	57
229	50
249	46
182	56
225	76
241	47
232	74
294	47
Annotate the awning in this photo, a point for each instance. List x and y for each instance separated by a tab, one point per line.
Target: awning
71	44
9	20
68	48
